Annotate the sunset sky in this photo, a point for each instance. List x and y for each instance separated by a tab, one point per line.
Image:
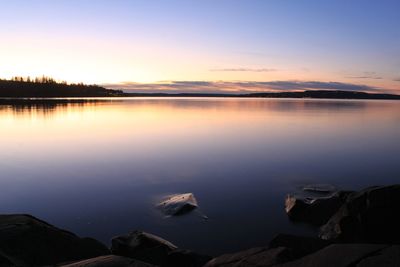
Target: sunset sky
207	45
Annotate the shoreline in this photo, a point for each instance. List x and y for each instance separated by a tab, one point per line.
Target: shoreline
356	229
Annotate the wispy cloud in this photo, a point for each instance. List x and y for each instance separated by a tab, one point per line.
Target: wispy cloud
397	80
367	75
237	87
244	69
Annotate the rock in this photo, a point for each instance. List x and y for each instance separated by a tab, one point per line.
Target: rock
4	262
28	241
320	188
387	257
185	258
142	246
298	246
337	255
368	216
315	210
178	204
109	261
255	257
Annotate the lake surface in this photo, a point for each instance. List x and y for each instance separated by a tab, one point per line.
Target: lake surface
97	168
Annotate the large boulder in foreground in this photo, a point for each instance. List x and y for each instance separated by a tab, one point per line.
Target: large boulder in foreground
28	241
109	261
4	262
185	258
389	256
298	246
368	216
349	255
142	246
314	206
282	248
254	257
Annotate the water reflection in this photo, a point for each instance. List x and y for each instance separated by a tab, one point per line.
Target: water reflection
45	107
97	167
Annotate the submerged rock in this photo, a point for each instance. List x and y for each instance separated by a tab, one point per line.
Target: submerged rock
142	246
109	261
320	188
178	204
371	215
28	241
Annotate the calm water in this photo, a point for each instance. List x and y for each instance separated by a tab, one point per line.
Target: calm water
98	168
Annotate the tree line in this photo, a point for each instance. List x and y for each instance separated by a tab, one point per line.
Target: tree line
41	79
45	86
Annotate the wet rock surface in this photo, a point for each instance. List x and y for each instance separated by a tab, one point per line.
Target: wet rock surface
28	241
178	204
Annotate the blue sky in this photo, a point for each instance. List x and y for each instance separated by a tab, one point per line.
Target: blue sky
129	42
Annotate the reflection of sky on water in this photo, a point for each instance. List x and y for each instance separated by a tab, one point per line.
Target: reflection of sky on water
96	168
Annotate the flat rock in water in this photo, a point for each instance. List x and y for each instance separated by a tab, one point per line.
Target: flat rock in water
142	246
28	241
320	188
178	204
109	261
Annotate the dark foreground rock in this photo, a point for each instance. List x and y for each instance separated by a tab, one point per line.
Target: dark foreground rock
255	257
109	261
28	241
142	246
282	248
316	210
298	246
4	262
155	250
335	255
350	255
185	258
368	216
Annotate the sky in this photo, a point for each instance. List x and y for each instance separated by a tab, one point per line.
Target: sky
207	45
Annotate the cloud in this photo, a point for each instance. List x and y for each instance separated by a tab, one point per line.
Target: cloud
236	87
244	70
367	75
397	80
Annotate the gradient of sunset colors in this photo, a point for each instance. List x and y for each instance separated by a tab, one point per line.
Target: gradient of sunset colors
205	46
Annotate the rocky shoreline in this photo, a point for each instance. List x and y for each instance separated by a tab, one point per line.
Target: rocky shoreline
356	229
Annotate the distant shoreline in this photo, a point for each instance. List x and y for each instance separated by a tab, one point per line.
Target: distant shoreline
315	94
325	94
48	89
